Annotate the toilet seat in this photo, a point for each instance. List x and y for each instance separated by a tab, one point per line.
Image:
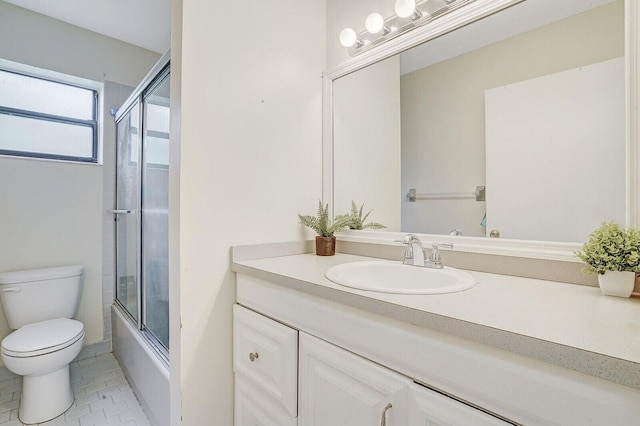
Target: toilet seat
42	338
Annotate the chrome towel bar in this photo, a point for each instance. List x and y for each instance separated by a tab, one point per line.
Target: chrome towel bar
478	195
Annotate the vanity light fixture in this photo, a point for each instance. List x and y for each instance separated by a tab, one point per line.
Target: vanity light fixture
349	38
409	14
407	9
375	24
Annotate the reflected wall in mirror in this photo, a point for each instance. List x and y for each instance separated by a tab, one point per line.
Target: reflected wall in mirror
529	102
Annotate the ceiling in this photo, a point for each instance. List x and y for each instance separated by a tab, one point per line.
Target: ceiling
143	23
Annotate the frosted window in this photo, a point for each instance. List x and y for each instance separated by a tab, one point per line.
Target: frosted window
47	119
50	138
45	97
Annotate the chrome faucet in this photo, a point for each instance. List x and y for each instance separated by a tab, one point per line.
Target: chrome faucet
413	254
434	260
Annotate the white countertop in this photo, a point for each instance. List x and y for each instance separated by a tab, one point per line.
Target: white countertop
561	317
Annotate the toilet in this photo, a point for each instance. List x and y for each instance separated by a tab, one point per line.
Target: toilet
40	305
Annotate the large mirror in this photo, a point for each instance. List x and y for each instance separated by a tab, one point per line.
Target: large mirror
512	126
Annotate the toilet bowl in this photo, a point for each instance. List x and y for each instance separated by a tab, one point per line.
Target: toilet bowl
41	352
39	305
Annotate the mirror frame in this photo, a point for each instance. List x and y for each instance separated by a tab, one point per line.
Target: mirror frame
559	251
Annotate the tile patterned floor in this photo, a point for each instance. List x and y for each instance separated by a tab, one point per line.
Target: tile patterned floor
103	396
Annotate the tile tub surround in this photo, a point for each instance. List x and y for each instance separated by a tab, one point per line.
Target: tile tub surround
572	326
102	396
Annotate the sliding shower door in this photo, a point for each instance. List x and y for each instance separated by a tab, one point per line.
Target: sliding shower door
127	208
142	201
155	209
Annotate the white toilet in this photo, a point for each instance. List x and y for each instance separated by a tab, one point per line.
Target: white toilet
39	305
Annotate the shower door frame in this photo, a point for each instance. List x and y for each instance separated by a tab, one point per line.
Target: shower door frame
152	80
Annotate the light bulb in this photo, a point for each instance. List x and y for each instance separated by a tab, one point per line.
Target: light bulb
374	23
348	37
405	8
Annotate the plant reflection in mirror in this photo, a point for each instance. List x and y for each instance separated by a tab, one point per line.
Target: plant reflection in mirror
357	221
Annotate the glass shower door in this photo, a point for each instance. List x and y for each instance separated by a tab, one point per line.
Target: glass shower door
142	212
126	212
155	211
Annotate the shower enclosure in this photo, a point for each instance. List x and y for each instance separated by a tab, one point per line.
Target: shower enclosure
141	238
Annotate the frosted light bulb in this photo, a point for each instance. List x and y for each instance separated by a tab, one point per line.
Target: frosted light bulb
348	37
374	23
405	8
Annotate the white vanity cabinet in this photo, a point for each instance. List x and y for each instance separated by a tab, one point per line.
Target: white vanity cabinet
337	387
286	377
343	366
265	363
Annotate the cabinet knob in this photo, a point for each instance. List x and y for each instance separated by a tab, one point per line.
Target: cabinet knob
383	419
253	356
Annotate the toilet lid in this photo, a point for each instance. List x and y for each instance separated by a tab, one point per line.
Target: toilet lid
42	337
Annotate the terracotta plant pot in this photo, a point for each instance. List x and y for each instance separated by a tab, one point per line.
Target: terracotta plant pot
325	246
617	283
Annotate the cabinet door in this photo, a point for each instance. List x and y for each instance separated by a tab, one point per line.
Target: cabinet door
428	408
265	352
254	407
337	387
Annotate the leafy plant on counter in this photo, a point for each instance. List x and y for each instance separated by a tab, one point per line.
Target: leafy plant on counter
356	220
321	223
611	248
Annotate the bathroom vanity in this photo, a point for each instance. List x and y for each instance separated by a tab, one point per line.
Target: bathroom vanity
308	351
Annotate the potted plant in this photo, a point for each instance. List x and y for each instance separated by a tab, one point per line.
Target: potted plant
614	254
325	241
356	220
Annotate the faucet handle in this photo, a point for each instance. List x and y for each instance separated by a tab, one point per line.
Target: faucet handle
408	239
436	246
435	253
434	260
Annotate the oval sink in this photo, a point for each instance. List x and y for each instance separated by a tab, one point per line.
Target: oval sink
394	277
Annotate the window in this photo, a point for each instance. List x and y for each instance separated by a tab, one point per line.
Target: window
47	119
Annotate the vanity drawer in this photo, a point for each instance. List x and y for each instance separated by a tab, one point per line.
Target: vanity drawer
265	352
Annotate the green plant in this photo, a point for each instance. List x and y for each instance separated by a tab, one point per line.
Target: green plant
356	220
611	248
321	223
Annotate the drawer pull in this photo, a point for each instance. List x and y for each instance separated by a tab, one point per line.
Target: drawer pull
253	356
383	419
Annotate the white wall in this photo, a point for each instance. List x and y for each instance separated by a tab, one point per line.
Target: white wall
366	149
175	326
53	212
249	161
34	39
51	216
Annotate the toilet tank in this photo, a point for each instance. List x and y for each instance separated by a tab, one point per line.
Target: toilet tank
40	294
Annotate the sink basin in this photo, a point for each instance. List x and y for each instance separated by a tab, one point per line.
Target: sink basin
394	277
